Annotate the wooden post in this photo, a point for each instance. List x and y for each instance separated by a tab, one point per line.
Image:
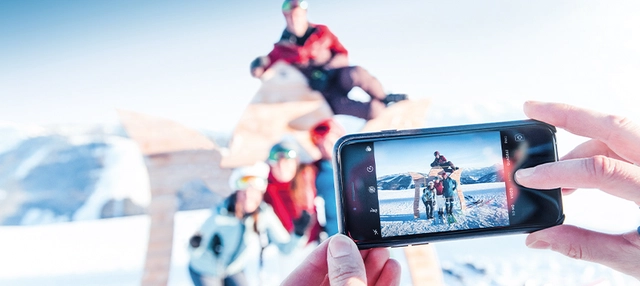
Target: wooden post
424	265
418	180
174	155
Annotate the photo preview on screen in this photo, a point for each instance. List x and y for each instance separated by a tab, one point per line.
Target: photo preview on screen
456	182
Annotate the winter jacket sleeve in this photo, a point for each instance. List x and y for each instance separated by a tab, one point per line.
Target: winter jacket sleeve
278	235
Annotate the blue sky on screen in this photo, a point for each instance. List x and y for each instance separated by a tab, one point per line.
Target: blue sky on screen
415	155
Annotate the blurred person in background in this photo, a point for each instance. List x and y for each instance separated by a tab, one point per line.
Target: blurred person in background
324	61
325	135
291	188
237	231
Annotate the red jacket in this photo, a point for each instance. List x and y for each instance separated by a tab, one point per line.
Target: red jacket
318	48
278	195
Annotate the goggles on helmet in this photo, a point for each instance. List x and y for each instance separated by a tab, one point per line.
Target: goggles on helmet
275	156
288	5
251	181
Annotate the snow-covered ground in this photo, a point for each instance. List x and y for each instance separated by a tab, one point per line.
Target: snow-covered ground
396	211
112	252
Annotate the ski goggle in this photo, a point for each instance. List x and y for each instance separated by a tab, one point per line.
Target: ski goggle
282	154
288	5
251	181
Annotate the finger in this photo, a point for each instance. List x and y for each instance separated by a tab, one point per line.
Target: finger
390	274
589	149
615	177
620	252
313	270
344	262
374	260
616	131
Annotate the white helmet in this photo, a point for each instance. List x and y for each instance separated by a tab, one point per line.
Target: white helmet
258	170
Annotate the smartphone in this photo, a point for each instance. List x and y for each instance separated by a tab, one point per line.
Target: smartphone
407	187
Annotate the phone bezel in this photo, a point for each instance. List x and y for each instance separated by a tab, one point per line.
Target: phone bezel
450	130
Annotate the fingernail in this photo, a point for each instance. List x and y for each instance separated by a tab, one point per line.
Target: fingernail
539	244
523	173
340	246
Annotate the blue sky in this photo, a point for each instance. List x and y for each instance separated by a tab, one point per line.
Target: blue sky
78	61
415	155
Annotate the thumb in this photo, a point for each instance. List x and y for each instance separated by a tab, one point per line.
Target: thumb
345	262
620	252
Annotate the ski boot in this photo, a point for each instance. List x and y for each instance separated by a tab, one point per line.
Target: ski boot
393	98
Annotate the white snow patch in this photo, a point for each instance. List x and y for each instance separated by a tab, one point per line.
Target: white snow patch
11	134
33	161
65	250
124	176
36	216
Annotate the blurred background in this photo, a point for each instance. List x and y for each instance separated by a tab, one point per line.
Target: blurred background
74	188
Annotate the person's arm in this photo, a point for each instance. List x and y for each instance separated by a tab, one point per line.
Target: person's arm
259	65
337	261
278	235
280	52
435	162
609	162
339	54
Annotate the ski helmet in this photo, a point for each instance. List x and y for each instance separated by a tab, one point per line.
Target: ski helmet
256	175
288	5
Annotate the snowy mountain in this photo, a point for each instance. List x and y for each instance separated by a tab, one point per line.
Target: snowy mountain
403	181
69	173
481	175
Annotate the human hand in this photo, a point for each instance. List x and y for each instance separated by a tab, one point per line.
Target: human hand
338	61
300	224
257	66
257	72
195	240
609	162
337	262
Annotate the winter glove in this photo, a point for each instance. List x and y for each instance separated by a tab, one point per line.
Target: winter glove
195	240
300	224
216	244
259	62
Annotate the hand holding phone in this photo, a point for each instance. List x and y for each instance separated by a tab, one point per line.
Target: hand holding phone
609	161
406	187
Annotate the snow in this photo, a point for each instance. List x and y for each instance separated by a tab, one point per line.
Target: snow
124	176
11	134
73	253
112	252
35	216
396	212
33	161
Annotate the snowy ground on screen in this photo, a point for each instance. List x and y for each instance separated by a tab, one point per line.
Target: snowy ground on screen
486	207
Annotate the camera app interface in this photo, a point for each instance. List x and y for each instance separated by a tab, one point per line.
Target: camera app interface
436	184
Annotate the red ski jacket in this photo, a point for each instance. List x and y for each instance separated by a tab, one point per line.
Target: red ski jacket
315	48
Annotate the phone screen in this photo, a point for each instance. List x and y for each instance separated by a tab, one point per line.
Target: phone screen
455	184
